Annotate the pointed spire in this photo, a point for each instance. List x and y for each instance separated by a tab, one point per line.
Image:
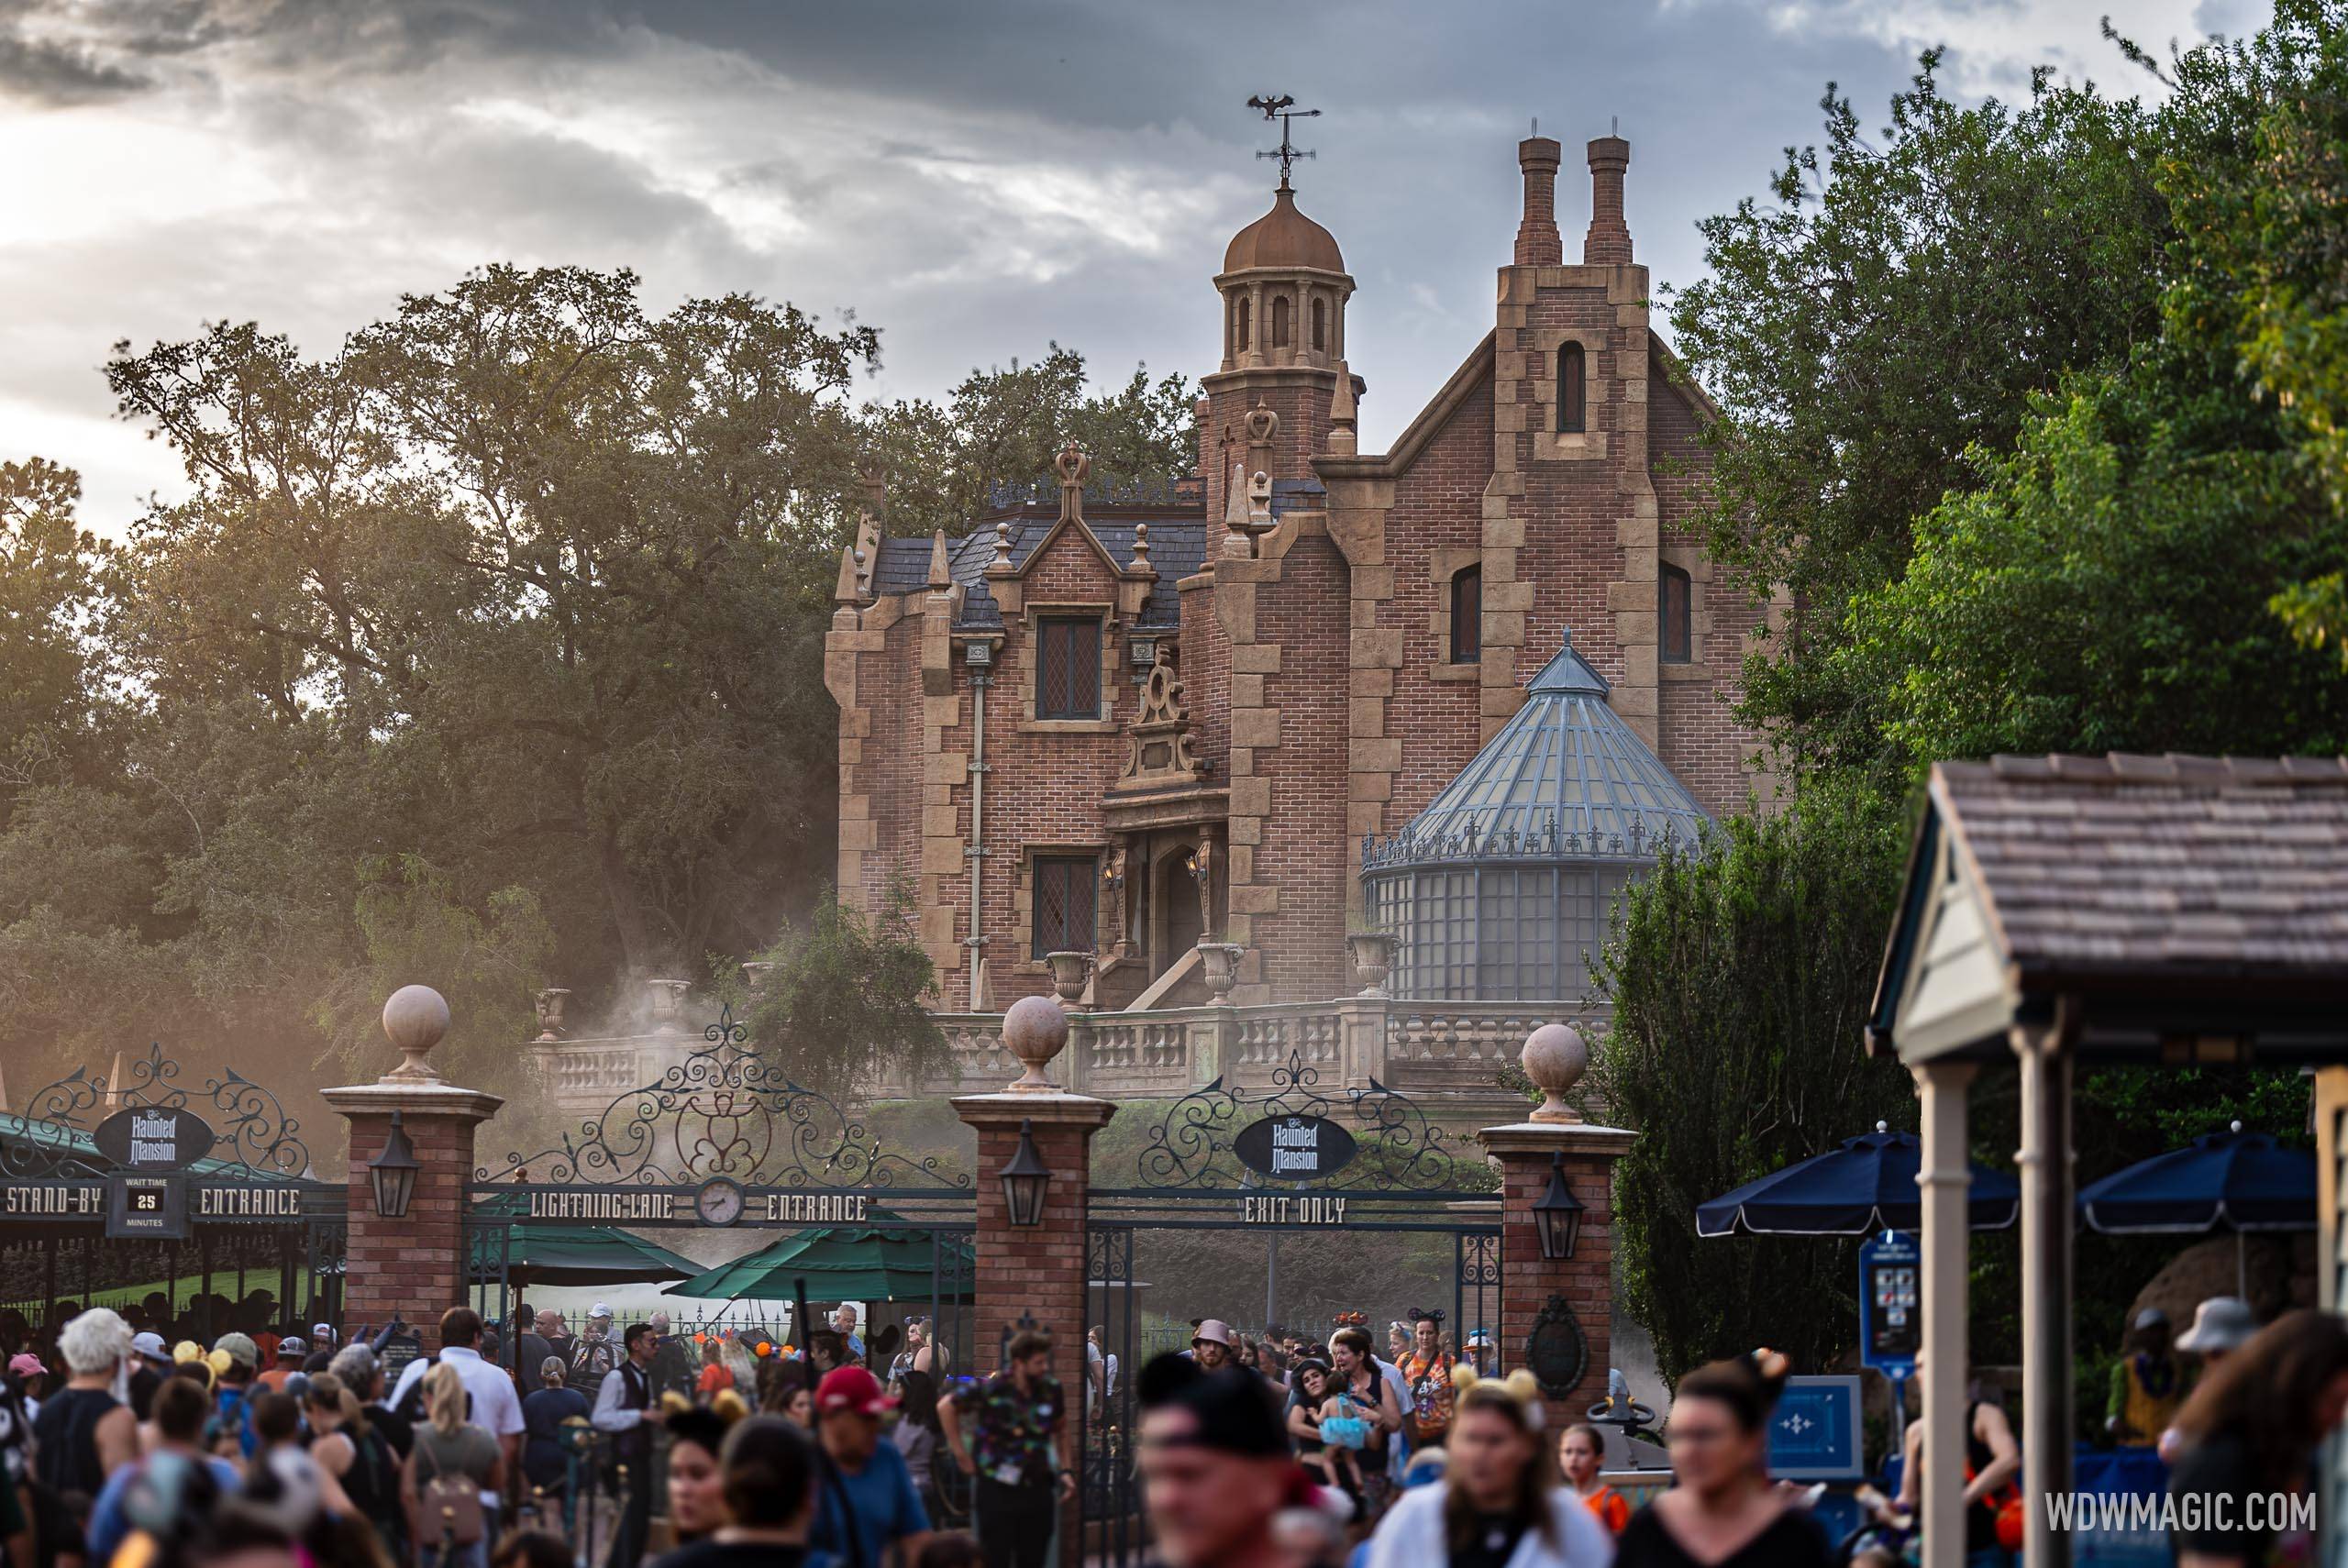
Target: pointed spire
847	589
941	568
1342	435
1236	533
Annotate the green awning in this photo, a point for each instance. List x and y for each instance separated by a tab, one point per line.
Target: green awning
590	1254
844	1263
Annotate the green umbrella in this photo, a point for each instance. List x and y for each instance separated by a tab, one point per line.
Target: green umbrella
592	1255
842	1263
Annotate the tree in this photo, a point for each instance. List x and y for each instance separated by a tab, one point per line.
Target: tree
1739	976
843	997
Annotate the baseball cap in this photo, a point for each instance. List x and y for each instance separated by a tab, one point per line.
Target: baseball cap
239	1348
322	1333
851	1389
1215	1331
1231	1411
599	1310
150	1345
292	1346
23	1364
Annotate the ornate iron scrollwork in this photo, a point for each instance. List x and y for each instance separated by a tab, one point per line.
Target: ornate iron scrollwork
252	1134
724	1110
1397	1148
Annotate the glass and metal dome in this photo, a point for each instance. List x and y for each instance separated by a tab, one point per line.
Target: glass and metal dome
1499	890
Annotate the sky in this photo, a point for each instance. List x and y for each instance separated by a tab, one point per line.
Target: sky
978	180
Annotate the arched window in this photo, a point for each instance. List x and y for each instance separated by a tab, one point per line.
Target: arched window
1320	326
1674	606
1573	391
1245	332
1279	321
1467	615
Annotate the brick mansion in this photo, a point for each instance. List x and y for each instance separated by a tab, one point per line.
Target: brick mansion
1319	715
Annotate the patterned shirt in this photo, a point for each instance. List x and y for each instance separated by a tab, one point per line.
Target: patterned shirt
1432	1393
1009	1434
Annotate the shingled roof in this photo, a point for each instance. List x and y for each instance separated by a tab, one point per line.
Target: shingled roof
2174	881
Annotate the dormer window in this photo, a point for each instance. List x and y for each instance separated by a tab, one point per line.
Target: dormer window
1573	391
1279	321
1468	615
1068	668
1675	618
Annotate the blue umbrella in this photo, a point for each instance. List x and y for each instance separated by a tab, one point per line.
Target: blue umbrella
2232	1180
1864	1185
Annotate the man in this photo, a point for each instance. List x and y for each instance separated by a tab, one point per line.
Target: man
362	1374
1014	1419
596	1353
621	1403
232	1395
1108	1363
1480	1352
148	1371
180	1409
84	1433
559	1339
1214	1465
867	1504
673	1369
285	1361
531	1347
843	1325
1211	1345
496	1409
322	1338
2147	1386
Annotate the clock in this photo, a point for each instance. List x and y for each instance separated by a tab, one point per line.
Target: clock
719	1202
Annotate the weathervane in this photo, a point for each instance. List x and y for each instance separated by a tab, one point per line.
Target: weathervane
1283	109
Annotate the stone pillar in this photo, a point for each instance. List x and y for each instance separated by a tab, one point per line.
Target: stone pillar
1944	1173
411	1267
1555	1058
2046	1197
1037	1271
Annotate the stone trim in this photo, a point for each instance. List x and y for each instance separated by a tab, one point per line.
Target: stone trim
1550	445
1028	661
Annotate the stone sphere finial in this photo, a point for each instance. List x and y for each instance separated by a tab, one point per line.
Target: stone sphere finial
1554	1058
414	1019
1035	1029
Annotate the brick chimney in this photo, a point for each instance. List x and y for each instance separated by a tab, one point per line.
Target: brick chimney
1608	243
1538	244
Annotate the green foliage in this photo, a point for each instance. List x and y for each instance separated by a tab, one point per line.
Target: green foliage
844	996
1740	977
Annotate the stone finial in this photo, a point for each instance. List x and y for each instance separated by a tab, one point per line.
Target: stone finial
1074	467
1236	531
1554	1058
1259	501
1035	1029
1141	548
1001	562
414	1019
941	567
1342	413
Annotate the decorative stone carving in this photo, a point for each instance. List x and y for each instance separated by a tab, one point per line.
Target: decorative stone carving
668	1004
1554	1058
1069	972
1206	857
1161	755
1373	955
1221	962
1035	1029
551	1005
414	1019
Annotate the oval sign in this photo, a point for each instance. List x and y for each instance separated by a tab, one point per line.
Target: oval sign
1293	1148
153	1138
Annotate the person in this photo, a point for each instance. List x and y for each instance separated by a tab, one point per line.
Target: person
1398	1342
1723	1510
531	1549
714	1377
1215	1470
866	1490
843	1325
150	1363
1428	1374
546	1457
2253	1426
530	1351
767	1486
356	1366
596	1355
559	1339
277	1424
234	1361
914	1433
1479	1351
1363	1393
355	1456
1580	1452
285	1359
2146	1384
496	1409
1014	1419
2221	1326
915	1337
1992	1461
672	1370
454	1456
1498	1503
1310	1392
623	1405
934	1357
84	1433
696	1437
180	1409
1211	1345
1109	1367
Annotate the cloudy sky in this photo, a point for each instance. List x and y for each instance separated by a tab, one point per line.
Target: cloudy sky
977	179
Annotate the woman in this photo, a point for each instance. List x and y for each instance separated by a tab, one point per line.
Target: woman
1992	1461
451	1461
277	1429
1498	1503
545	1456
1579	1454
768	1486
715	1376
2253	1426
1426	1372
1305	1403
1723	1513
915	1433
1363	1394
353	1455
696	1438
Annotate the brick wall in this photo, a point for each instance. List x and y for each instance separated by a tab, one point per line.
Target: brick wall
1304	852
1585	1280
1304	409
412	1267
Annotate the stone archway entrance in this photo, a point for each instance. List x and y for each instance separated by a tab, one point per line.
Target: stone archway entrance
1177	919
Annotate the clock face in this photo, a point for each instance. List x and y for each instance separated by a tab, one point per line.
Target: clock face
719	1202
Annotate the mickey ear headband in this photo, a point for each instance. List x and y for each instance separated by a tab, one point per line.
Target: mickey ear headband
1419	1317
1520	1386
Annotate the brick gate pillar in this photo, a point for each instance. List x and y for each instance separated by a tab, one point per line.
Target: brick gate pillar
414	1267
1037	1271
1539	1294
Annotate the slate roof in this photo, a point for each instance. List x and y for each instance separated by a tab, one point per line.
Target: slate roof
2102	868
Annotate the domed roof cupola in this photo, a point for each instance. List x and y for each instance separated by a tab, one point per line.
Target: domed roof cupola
1499	889
1285	238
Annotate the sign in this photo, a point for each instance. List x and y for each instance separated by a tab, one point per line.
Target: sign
717	1202
147	1208
397	1351
1293	1148
153	1138
1556	1350
1292	1208
1814	1432
53	1201
1891	1323
258	1201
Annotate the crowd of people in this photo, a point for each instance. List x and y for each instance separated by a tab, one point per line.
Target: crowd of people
1285	1450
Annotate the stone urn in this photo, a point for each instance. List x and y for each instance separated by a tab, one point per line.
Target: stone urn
551	1005
1069	971
1035	1029
667	998
1221	961
415	1018
1373	956
759	974
1554	1058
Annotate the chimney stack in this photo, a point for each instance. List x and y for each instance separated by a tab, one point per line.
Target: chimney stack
1608	243
1538	244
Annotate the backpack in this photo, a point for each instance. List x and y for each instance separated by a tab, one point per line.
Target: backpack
453	1500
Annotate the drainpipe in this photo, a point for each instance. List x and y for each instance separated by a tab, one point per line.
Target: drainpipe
980	657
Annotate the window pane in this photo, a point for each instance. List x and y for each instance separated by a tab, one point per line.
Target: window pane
1066	899
1467	615
1068	674
1572	391
1678	634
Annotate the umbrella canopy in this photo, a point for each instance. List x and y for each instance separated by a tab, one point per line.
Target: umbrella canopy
841	1263
1864	1185
2221	1181
594	1254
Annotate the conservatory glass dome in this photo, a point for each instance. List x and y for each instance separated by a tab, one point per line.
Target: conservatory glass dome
1499	889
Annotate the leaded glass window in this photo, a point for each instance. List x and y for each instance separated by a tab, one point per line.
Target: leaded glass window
1068	671
1065	902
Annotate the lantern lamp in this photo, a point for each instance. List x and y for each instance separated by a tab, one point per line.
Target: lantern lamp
1558	1213
1024	1179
